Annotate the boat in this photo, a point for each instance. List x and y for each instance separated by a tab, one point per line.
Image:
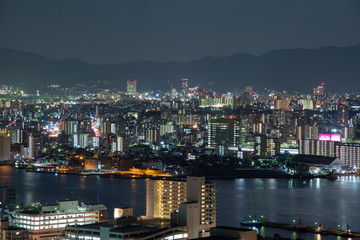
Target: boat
253	222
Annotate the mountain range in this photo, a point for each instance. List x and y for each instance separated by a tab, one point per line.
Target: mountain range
290	69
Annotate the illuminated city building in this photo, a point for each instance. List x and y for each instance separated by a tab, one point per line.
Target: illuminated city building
306	104
342	114
48	221
319	90
163	197
282	104
317	147
266	146
122	143
131	87
4	147
307	132
35	143
216	101
185	86
223	131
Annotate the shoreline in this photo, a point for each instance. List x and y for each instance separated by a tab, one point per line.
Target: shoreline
248	173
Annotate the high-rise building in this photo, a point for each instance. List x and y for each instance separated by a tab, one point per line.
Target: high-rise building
185	86
122	143
4	147
223	131
131	87
306	104
307	132
265	146
319	90
317	147
282	104
163	197
342	114
349	153
152	134
35	143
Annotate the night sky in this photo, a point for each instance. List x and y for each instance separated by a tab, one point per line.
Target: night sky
115	31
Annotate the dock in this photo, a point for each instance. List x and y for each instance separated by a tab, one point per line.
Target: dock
302	228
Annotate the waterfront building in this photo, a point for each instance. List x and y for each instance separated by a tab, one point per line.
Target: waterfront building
164	197
4	147
46	222
35	143
317	147
7	197
349	153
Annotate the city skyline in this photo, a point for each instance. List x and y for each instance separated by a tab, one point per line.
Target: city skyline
179	119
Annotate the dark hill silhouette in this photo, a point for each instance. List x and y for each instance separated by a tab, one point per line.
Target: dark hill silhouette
292	69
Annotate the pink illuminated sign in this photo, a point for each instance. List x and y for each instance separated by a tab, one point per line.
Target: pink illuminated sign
330	137
335	137
324	137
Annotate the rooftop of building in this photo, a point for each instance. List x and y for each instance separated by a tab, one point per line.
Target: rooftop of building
135	229
313	159
61	207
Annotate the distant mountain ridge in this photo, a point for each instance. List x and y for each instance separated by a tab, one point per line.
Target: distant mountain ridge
290	69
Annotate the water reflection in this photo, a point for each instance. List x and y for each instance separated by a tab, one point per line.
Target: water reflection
279	200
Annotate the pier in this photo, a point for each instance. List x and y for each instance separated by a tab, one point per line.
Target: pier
302	228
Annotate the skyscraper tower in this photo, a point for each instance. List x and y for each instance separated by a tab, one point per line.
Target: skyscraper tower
319	90
131	87
185	86
342	114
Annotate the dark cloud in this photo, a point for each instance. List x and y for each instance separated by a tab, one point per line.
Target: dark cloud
120	31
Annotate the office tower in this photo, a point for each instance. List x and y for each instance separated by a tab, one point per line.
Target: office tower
319	90
163	197
242	131
342	114
4	148
266	147
223	131
131	87
185	86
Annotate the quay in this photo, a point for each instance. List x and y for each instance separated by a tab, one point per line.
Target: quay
302	228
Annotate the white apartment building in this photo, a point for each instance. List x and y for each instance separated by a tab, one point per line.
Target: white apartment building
163	197
47	222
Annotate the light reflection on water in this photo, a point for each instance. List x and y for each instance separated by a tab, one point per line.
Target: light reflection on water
332	202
